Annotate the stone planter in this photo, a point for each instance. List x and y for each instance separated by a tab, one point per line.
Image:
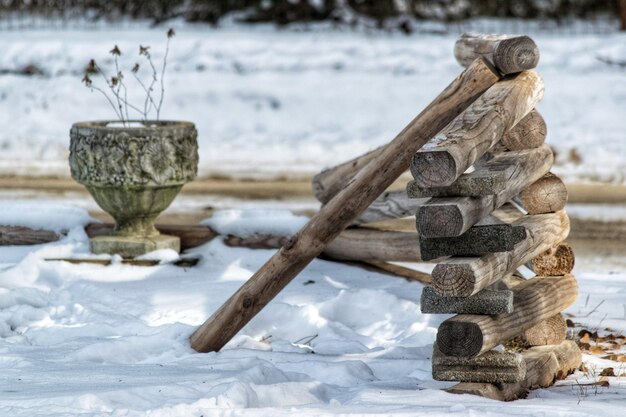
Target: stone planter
133	173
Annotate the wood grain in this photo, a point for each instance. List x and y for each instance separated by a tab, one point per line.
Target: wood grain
478	128
452	216
341	210
462	277
508	53
544	365
535	300
551	331
558	260
529	133
546	195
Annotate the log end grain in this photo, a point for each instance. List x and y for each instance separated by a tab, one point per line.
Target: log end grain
556	261
552	331
434	168
456	338
529	133
434	220
516	54
546	195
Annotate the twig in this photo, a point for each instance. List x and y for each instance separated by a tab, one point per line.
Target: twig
167	50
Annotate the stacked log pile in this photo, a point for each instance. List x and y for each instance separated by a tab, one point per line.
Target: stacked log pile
501	136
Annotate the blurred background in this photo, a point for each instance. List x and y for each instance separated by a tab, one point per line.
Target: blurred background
280	89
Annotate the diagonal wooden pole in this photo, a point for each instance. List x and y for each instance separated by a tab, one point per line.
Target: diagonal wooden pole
341	210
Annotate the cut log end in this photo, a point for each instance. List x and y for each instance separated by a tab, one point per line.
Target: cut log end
450	280
459	338
549	332
439	221
556	261
529	133
546	195
516	54
434	169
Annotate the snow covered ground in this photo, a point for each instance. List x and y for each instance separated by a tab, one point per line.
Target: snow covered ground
112	341
272	103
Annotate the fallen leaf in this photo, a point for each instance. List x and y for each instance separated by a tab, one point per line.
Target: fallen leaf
585	338
606	372
596	350
619	357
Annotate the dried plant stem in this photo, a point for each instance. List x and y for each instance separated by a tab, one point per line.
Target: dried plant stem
167	50
108	99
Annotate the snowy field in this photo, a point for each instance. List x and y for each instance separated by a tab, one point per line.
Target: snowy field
113	341
274	103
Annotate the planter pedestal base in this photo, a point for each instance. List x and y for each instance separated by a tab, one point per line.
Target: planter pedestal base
130	247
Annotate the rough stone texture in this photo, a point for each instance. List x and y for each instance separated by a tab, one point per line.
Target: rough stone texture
492	367
475	184
133	173
487	301
477	241
129	247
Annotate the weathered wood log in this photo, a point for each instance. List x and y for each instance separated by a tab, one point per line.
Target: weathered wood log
331	181
453	216
544	365
462	277
190	235
350	245
535	300
508	53
529	133
182	262
558	260
19	236
341	210
486	301
399	271
390	205
551	331
546	195
477	129
477	241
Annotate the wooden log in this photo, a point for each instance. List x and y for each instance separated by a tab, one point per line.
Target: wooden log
390	205
20	236
453	216
462	277
546	195
341	210
529	133
478	128
350	245
551	331
477	241
331	181
508	53
535	300
558	260
484	302
190	235
544	365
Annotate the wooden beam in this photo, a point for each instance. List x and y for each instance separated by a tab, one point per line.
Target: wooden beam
331	181
508	53
478	128
535	300
390	205
529	133
544	365
551	331
351	245
341	210
20	236
462	277
546	195
452	216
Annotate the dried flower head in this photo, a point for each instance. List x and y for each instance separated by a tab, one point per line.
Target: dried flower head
114	81
91	68
143	50
87	80
115	51
171	33
135	68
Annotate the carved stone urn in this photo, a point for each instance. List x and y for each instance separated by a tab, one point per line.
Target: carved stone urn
133	173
